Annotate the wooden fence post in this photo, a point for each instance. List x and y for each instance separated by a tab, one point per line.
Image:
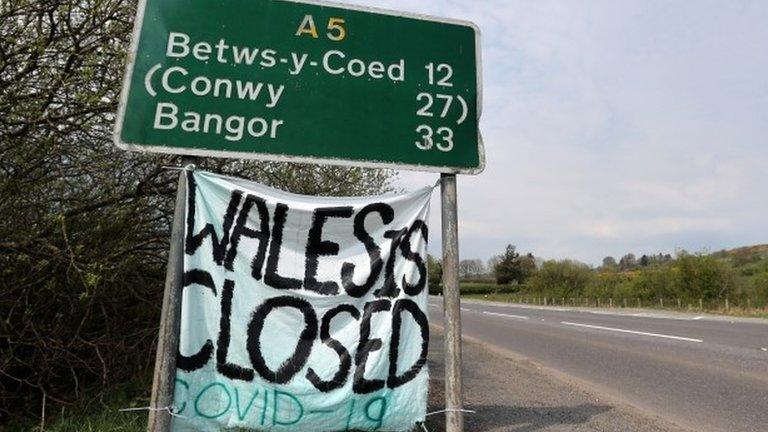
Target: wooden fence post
163	381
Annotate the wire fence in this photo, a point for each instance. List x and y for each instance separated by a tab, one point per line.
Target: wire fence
512	294
676	303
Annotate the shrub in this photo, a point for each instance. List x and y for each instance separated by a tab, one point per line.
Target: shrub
513	267
434	271
435	289
469	288
608	285
487	288
654	283
478	280
704	276
560	279
758	287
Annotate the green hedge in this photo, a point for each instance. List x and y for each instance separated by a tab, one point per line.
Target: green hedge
473	288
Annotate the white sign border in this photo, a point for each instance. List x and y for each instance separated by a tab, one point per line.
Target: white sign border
131	60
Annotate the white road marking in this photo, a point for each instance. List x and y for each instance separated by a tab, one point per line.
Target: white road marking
505	315
632	332
466	310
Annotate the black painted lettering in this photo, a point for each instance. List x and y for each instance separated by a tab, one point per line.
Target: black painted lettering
390	289
194	241
401	305
240	230
317	247
374	251
405	248
271	277
291	366
345	360
225	368
366	346
202	356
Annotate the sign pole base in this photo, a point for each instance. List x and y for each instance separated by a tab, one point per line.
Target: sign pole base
164	376
454	417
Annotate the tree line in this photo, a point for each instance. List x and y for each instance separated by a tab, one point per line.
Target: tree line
740	275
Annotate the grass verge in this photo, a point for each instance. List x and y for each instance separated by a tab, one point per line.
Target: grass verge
100	415
733	311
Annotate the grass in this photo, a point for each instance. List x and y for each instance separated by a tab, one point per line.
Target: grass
97	416
107	420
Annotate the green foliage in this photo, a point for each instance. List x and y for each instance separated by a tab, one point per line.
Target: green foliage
607	285
478	288
688	281
479	280
609	264
102	421
653	283
689	277
435	289
704	276
85	227
752	269
559	279
744	255
512	267
434	271
487	288
628	262
758	287
101	415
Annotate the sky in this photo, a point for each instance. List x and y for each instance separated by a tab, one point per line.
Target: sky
613	127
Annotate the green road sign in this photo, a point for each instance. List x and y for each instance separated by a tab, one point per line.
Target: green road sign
303	81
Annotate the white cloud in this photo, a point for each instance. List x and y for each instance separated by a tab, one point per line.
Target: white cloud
615	126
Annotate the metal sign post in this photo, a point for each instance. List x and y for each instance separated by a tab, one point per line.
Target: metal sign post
454	417
163	380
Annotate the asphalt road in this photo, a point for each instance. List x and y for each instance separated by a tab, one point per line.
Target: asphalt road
700	372
504	394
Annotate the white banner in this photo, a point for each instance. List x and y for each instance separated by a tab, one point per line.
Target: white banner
302	313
